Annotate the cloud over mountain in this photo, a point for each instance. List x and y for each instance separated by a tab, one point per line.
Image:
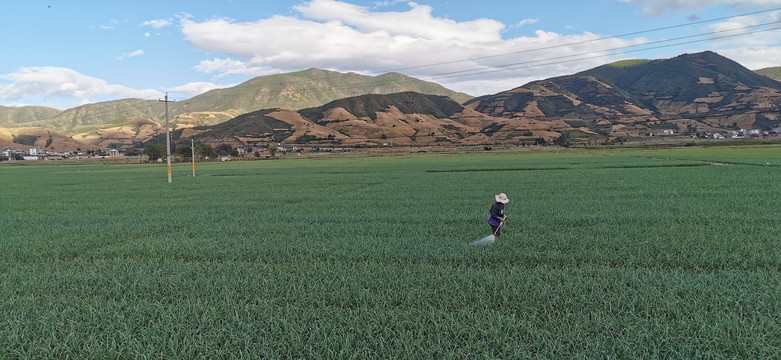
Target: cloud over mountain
338	35
57	82
196	88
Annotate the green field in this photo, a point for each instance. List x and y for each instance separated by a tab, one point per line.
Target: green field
667	253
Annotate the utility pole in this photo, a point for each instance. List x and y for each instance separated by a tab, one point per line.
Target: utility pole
167	138
193	155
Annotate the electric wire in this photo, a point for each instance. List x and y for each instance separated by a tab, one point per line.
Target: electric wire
554	60
583	41
547	61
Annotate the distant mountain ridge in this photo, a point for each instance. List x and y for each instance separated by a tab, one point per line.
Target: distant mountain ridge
370	105
26	138
404	119
308	88
297	90
687	94
12	116
691	94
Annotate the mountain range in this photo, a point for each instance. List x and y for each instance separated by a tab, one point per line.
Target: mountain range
690	93
127	121
298	90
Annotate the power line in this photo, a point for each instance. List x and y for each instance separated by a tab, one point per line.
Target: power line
559	60
551	61
584	41
565	58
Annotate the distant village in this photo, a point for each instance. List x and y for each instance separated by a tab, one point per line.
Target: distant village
732	134
742	134
38	153
726	134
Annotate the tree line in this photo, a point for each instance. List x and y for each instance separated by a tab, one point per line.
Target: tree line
202	151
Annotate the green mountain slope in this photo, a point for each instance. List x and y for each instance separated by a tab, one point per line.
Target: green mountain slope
771	72
294	91
103	113
19	116
305	89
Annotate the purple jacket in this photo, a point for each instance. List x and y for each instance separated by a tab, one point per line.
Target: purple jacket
497	211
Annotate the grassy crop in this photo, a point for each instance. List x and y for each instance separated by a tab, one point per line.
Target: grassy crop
616	253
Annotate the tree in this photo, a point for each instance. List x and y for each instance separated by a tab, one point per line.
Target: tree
133	152
183	151
155	152
223	149
562	140
272	150
204	151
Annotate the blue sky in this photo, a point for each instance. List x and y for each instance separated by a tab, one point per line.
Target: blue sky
66	53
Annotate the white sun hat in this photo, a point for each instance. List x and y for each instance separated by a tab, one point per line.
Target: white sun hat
502	198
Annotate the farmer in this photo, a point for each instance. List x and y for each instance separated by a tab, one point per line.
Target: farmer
497	214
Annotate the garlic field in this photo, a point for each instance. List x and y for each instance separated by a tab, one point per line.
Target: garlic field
622	253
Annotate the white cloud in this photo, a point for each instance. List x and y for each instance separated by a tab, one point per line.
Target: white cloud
754	57
227	67
157	24
138	52
417	23
63	83
112	24
386	3
659	7
525	22
196	88
521	24
753	47
336	35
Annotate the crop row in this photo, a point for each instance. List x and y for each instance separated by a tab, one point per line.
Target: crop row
604	254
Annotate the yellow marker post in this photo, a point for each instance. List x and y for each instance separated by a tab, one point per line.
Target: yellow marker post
193	155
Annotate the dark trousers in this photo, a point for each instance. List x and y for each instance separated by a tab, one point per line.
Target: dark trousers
496	230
